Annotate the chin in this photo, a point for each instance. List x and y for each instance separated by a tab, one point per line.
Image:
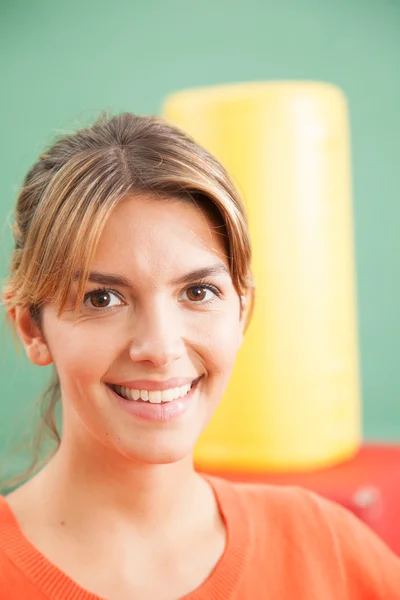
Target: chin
160	453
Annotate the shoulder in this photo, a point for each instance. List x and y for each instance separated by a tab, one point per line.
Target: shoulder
325	535
303	512
288	510
287	503
13	583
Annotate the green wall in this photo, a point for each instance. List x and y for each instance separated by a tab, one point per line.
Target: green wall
61	63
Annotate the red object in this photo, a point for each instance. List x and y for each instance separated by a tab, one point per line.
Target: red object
368	485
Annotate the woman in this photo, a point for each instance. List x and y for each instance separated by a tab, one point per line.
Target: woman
131	274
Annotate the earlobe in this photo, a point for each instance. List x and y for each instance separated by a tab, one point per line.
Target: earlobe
31	336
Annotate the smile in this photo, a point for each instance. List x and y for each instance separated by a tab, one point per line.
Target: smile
154	397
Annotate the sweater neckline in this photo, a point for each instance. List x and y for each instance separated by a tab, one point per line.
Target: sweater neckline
51	580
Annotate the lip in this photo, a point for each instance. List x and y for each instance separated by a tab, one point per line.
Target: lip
164	411
153	386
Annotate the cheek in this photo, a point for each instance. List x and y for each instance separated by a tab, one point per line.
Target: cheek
81	355
222	341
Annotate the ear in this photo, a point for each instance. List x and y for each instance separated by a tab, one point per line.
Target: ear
244	305
31	336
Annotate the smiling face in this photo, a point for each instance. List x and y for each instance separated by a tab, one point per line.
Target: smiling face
160	323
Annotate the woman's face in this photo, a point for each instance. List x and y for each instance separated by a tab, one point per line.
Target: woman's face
163	323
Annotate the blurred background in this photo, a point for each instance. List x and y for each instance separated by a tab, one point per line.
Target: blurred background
61	64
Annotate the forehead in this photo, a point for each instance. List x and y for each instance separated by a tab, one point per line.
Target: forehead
158	235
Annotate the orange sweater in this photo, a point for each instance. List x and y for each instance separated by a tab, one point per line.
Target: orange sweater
282	544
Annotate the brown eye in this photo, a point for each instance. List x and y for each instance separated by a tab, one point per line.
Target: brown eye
202	294
99	299
196	293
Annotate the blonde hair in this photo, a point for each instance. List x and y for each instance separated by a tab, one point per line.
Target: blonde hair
67	197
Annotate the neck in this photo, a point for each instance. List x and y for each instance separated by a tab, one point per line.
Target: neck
89	487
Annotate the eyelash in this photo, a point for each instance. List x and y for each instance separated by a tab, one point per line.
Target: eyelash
200	284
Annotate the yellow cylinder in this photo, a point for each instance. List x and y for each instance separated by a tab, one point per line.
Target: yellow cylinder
293	402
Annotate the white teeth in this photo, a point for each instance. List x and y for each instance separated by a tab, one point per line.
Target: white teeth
154	397
167	395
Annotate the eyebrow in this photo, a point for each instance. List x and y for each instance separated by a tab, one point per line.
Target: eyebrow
121	281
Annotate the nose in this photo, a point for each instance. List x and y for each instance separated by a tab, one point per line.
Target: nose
157	336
